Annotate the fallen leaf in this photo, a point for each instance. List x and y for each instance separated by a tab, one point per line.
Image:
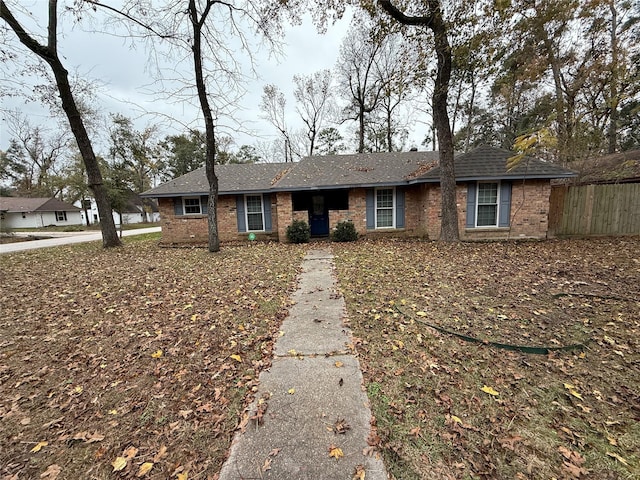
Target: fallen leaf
291	391
339	364
266	465
181	476
161	454
572	390
51	472
78	389
335	452
359	473
490	391
119	463
237	358
156	354
618	457
421	314
612	441
457	419
130	452
39	446
144	469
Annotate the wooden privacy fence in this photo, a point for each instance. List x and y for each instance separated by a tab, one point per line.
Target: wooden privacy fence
612	209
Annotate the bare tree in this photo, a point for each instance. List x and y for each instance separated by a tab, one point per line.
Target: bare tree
357	73
49	54
273	105
313	94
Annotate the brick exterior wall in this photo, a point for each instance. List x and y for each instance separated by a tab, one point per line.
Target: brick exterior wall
193	229
531	218
422	216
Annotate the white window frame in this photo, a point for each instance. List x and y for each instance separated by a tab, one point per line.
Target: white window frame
184	206
393	208
497	204
246	212
61	216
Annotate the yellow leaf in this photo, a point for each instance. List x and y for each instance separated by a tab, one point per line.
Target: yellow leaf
618	457
456	419
194	317
612	441
156	354
335	452
144	469
113	412
490	391
291	391
181	476
339	364
186	307
421	314
119	463
39	446
292	352
78	389
572	390
359	473
237	358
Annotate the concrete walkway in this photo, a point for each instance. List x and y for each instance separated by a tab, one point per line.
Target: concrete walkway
311	400
65	238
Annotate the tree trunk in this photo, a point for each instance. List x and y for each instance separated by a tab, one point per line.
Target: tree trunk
210	155
433	20
612	131
361	129
50	55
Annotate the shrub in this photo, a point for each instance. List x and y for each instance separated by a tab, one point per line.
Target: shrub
73	228
345	232
298	232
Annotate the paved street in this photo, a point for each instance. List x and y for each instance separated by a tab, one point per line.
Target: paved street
65	238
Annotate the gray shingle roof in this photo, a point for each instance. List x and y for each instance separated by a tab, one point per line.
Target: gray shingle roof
235	178
361	170
490	163
23	204
356	170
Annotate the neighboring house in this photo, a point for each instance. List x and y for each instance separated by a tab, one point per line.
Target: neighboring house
394	194
603	199
19	212
136	210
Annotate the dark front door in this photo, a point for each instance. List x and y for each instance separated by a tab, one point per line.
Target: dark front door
318	216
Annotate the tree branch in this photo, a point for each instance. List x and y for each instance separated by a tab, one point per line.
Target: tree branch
402	17
129	17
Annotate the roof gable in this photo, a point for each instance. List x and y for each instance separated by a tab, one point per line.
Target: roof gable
490	163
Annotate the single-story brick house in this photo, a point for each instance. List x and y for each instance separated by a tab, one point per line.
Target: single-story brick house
381	193
21	212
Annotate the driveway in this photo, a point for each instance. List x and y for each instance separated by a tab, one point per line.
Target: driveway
66	238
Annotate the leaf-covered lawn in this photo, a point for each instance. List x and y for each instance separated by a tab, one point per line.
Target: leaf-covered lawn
450	409
137	359
140	359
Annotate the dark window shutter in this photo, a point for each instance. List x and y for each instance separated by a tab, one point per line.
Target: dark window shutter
504	212
471	205
371	209
177	206
266	202
242	225
204	204
399	208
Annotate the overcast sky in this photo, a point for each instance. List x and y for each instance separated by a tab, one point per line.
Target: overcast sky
125	77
